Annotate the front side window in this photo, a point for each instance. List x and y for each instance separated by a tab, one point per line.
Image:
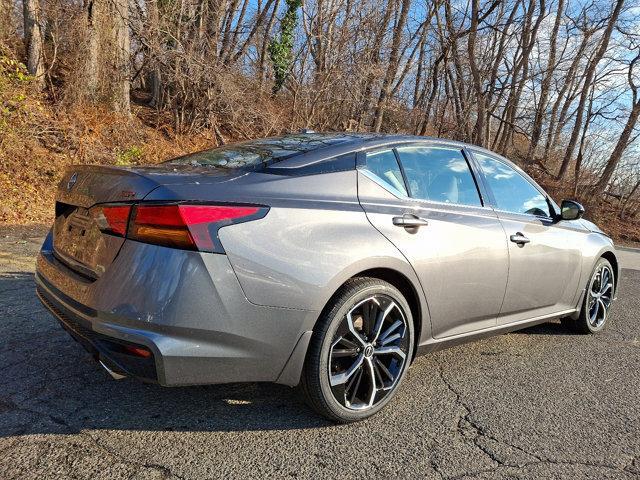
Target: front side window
512	192
385	166
439	174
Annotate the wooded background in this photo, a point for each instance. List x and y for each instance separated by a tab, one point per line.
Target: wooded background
551	84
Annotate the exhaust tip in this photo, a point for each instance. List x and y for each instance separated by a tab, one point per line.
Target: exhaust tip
114	375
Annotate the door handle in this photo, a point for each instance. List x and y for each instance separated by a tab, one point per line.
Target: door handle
519	238
409	220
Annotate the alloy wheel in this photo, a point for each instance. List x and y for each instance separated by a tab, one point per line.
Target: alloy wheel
368	352
600	296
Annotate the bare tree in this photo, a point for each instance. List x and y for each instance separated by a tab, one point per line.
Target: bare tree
625	135
92	10
545	86
541	80
120	83
392	67
34	41
589	74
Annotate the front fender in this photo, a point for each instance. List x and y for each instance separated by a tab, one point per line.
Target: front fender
595	247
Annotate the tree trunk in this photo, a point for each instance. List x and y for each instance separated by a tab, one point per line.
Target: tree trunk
621	146
33	37
546	86
392	69
628	199
567	89
262	71
154	52
121	58
591	70
530	32
583	138
374	61
94	16
478	129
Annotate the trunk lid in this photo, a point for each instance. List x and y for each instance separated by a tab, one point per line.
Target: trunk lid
78	241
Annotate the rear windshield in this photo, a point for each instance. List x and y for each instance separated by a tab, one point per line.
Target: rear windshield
255	153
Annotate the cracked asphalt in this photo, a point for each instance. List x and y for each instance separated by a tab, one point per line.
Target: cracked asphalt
540	403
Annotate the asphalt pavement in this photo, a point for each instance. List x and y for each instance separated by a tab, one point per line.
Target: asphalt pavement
540	403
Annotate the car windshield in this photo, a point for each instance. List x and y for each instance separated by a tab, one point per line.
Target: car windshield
255	153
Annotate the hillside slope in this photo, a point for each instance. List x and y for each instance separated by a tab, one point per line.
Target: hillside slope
39	139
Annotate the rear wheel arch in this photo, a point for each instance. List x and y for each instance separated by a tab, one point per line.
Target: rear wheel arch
403	284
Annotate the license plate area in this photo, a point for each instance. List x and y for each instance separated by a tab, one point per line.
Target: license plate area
80	244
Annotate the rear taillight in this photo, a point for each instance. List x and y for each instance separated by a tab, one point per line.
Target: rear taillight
191	227
178	225
112	219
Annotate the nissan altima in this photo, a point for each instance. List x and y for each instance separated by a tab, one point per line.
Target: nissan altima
324	261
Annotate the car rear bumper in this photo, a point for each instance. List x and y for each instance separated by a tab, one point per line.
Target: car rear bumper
186	308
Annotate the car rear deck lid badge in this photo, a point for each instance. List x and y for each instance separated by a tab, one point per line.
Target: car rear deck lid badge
72	181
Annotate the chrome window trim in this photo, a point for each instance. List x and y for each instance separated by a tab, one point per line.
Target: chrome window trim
528	215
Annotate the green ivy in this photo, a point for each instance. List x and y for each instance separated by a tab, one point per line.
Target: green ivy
129	156
12	72
281	50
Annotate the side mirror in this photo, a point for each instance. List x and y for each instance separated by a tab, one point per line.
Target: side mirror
571	210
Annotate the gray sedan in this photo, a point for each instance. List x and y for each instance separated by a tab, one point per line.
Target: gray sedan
324	261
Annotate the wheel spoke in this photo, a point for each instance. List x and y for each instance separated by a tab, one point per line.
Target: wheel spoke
604	278
593	317
346	342
390	351
390	339
595	286
372	376
394	326
384	369
380	321
357	378
340	378
370	312
376	369
603	307
344	352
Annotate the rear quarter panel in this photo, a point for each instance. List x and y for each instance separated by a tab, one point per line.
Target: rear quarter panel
315	237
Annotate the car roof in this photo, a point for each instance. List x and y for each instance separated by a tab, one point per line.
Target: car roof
344	143
305	149
341	143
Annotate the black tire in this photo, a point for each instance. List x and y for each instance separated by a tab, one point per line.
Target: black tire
325	362
585	323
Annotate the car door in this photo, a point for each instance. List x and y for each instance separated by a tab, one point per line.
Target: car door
424	199
544	254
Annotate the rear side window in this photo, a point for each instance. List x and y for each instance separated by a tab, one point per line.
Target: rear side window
512	192
385	166
439	174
